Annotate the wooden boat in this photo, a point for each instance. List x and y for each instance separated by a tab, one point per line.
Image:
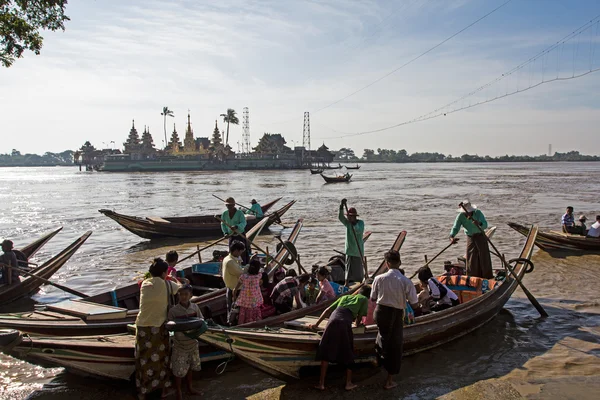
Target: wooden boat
31	249
106	356
316	171
337	179
356	167
339	166
206	226
30	285
554	240
283	353
110	312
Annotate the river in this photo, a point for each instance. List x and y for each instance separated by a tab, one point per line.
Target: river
517	354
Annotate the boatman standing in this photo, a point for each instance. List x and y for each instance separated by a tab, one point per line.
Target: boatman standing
9	258
236	219
255	210
356	268
479	262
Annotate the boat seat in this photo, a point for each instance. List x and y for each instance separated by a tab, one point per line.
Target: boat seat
158	220
467	287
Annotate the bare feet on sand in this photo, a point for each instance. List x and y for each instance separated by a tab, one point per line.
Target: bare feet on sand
320	387
195	392
390	385
351	386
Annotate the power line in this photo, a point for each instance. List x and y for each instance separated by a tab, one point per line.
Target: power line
415	58
438	112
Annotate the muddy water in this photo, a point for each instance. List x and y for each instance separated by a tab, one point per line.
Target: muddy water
516	355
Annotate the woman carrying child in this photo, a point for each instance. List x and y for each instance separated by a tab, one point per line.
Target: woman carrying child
250	297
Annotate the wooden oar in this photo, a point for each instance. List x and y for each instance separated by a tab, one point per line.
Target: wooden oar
362	258
430	261
204	248
531	298
251	242
46	281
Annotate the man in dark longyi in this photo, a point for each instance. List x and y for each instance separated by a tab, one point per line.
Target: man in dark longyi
479	262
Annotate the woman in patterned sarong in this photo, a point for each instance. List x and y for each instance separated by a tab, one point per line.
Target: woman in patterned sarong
152	339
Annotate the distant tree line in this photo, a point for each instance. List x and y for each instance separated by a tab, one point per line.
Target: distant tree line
402	156
16	159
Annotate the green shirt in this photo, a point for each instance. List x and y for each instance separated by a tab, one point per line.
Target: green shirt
357	304
468	226
359	228
255	210
238	220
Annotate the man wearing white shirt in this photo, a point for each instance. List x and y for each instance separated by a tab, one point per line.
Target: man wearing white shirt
595	228
391	291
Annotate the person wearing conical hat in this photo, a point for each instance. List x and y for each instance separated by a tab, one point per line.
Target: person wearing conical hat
255	209
356	268
236	219
479	262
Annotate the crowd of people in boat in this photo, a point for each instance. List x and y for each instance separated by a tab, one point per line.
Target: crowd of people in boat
253	292
579	228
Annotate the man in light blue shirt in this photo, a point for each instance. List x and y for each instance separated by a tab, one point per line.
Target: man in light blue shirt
479	262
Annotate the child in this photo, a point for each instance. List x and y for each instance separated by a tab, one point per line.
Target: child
326	292
336	344
185	356
439	294
312	292
267	309
250	297
171	259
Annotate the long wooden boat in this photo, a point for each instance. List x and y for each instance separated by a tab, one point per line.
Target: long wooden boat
31	249
337	179
205	226
355	167
30	285
111	312
285	352
316	171
105	356
554	240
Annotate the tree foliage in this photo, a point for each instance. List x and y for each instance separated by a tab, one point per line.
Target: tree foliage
21	22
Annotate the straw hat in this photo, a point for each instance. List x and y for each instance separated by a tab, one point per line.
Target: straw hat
230	200
468	206
352	211
253	201
582	218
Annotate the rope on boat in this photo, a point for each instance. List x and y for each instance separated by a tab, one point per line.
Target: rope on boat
529	263
223	366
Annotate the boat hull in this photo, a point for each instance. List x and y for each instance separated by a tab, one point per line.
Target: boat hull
560	241
185	227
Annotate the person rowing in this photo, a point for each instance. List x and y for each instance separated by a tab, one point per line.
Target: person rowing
255	209
356	268
232	217
479	262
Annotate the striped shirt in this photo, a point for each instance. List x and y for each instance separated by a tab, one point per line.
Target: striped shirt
568	220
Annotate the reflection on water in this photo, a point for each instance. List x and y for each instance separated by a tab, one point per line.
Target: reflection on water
421	199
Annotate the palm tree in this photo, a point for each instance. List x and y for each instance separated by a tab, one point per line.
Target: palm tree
166	113
230	118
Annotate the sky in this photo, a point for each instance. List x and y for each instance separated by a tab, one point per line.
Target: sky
119	61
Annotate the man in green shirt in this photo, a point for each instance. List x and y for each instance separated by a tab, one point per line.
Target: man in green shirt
356	268
255	209
479	262
236	219
337	342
